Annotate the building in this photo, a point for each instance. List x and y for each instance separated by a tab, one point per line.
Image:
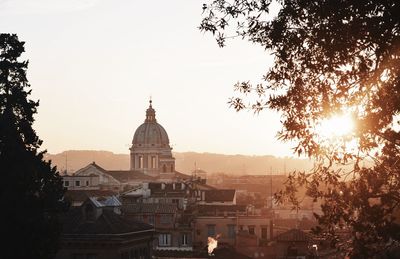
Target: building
293	243
216	215
150	150
166	206
81	182
78	197
151	160
95	231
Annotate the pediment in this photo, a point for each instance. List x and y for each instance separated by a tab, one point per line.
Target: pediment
93	169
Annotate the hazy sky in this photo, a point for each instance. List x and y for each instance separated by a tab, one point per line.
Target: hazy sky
94	64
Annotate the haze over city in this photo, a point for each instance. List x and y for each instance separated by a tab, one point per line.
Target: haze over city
94	65
159	127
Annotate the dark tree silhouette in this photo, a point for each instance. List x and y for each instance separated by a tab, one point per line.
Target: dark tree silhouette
330	57
31	191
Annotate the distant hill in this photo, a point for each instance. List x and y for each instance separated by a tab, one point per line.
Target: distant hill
185	162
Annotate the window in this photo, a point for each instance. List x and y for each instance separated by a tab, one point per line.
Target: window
251	230
134	254
139	218
77	183
184	239
66	183
151	220
264	232
87	183
231	231
166	219
211	230
153	162
143	253
140	162
172	168
164	169
164	239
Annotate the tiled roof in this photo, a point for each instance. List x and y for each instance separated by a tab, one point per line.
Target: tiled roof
98	167
96	203
156	186
293	235
149	208
219	195
111	202
82	195
108	222
168	194
181	175
78	176
228	208
204	186
126	176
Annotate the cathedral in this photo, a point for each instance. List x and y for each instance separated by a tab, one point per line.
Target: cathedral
150	150
151	160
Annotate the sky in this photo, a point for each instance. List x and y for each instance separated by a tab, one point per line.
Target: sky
94	64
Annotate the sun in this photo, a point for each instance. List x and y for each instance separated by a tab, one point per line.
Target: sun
336	126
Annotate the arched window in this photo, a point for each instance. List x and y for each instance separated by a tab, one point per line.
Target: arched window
172	168
140	161
164	169
153	162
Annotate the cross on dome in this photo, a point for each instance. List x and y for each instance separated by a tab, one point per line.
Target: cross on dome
150	113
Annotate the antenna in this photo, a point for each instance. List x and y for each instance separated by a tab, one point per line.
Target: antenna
66	162
195	170
270	191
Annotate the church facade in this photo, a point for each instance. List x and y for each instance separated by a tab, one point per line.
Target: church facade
151	160
150	152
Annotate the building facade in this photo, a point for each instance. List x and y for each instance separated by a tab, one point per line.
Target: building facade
95	231
150	150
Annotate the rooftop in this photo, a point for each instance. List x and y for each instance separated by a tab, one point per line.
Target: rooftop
149	208
108	223
82	195
219	195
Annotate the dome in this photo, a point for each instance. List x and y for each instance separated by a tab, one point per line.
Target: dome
150	133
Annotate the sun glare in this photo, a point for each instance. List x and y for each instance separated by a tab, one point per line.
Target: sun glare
335	126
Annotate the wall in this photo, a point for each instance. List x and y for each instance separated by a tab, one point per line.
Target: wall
221	228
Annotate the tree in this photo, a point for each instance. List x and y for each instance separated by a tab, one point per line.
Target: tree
31	191
331	58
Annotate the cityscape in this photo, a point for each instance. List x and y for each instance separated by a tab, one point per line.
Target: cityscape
186	211
235	129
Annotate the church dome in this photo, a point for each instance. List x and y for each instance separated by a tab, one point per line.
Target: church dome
150	133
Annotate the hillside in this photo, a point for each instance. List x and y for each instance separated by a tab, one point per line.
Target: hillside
185	162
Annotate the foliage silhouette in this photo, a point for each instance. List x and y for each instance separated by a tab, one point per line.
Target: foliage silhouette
330	58
31	191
